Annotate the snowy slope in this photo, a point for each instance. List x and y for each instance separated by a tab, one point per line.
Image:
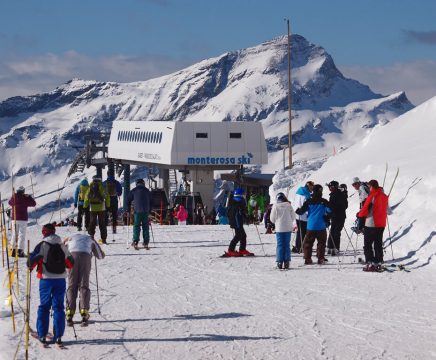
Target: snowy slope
406	143
40	134
180	301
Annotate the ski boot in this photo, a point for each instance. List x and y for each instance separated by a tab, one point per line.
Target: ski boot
231	254
286	265
70	314
245	253
279	265
85	317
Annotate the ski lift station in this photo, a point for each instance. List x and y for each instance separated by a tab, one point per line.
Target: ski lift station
194	148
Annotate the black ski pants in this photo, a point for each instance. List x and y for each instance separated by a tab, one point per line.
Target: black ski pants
301	233
241	237
373	244
82	212
113	211
100	218
334	241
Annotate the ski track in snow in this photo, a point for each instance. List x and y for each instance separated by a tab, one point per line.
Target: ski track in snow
180	300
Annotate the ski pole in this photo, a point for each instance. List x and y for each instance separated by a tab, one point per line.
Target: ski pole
68	304
27	302
128	228
152	235
390	237
260	240
96	281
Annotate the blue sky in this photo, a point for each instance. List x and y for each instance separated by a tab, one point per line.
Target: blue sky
389	45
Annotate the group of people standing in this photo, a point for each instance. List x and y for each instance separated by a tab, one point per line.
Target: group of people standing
312	216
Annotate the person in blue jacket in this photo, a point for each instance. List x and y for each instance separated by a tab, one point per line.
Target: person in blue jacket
79	199
114	189
142	205
318	211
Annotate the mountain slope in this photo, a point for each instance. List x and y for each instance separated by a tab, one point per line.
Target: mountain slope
40	134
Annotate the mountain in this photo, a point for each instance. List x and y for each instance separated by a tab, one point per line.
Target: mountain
40	134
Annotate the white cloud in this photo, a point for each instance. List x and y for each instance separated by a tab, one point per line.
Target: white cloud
417	78
38	74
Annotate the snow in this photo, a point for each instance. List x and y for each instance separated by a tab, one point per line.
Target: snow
180	300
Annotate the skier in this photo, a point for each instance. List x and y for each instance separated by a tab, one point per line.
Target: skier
363	191
236	211
302	195
51	257
199	214
79	199
375	212
20	202
283	216
181	214
338	204
142	205
114	190
81	247
318	211
256	207
97	199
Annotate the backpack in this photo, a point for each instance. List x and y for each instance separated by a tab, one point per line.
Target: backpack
111	187
55	259
366	187
95	196
82	192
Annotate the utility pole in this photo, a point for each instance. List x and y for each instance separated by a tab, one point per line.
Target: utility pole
289	97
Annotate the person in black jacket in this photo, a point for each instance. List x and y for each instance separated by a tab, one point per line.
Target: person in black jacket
338	204
142	203
237	212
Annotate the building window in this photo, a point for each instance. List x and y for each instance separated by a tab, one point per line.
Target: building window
235	135
201	135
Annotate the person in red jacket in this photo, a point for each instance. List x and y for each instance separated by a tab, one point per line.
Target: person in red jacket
375	210
19	202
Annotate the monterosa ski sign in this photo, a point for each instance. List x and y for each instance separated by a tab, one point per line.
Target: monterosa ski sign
217	160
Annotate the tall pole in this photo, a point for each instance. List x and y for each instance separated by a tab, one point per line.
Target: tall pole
289	97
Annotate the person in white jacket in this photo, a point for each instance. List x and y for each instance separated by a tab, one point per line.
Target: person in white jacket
283	216
81	247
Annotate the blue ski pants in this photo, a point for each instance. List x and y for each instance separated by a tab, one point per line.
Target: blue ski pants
283	252
51	296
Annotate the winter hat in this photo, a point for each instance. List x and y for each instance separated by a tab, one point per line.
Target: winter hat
317	190
333	183
280	197
356	180
20	189
373	183
140	182
48	229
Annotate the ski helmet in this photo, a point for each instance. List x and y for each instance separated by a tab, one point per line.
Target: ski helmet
21	189
238	192
140	182
280	197
333	183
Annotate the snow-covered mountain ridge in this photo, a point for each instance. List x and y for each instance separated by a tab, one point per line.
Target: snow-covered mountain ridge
39	134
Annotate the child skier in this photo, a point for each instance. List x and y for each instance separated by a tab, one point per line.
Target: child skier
52	258
283	216
81	247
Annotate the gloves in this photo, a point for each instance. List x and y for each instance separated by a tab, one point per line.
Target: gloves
75	206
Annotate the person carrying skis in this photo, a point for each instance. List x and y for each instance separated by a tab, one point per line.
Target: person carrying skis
19	202
142	205
79	200
318	212
181	215
51	258
81	247
302	195
97	199
363	191
283	216
114	190
338	203
237	212
375	212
